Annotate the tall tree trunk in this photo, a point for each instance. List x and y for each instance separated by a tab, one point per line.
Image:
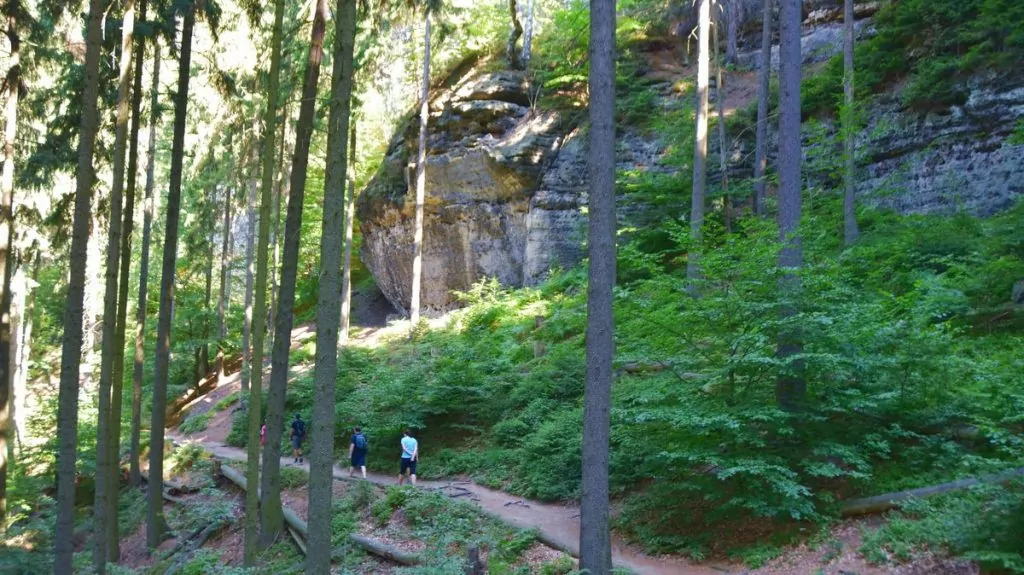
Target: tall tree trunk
71	341
222	300
723	146
281	189
700	147
850	230
325	375
350	203
790	388
250	245
140	313
514	56
156	526
104	466
528	33
731	15
13	83
595	535
273	519
764	74
259	313
203	367
117	381
421	177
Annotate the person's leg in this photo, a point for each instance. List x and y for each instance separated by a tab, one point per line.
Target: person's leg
363	468
412	472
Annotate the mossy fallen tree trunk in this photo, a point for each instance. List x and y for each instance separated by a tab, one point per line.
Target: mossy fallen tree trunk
172	487
888	501
296	523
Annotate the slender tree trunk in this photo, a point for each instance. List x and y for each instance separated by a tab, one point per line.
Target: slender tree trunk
764	74
595	535
222	300
140	313
260	304
850	230
421	177
157	526
203	367
350	204
104	466
700	148
321	459
250	245
514	55
71	341
528	34
117	381
790	387
271	515
723	146
280	190
13	82
24	349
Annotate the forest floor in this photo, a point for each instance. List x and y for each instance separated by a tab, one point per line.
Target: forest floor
557	524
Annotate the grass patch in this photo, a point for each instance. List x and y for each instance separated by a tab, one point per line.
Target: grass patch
292	477
227	401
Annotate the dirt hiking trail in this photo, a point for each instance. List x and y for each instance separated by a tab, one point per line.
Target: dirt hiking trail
558	525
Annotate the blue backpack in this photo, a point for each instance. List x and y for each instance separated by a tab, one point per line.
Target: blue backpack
360	441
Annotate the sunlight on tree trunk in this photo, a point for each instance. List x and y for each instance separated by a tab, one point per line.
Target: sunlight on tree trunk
700	147
71	341
140	313
350	206
280	190
512	52
156	526
104	466
528	33
250	247
12	84
225	279
764	74
595	535
421	178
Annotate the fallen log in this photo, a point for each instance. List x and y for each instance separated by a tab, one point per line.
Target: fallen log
295	522
888	501
298	540
204	536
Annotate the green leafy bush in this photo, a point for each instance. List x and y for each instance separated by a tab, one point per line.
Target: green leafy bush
196	423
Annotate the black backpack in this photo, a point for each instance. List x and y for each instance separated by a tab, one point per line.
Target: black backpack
360	441
299	428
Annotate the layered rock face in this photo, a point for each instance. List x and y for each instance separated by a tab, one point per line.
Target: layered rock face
506	184
495	205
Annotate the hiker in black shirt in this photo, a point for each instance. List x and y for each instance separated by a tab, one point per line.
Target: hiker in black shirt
298	434
357	452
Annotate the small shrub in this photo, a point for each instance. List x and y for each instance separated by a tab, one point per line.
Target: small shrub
196	423
292	477
227	401
561	566
185	456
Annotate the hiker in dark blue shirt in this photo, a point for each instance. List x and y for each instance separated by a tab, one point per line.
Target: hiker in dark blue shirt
298	434
357	452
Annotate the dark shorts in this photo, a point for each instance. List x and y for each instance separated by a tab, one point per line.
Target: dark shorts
296	442
408	464
358	458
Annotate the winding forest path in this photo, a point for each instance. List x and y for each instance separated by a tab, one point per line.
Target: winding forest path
558	525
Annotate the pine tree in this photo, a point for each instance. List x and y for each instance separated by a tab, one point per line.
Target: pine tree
270	483
790	388
156	525
260	293
595	535
850	229
140	313
71	341
329	297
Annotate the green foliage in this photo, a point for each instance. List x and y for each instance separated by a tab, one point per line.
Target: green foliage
982	525
561	566
937	44
227	401
196	423
292	477
186	456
